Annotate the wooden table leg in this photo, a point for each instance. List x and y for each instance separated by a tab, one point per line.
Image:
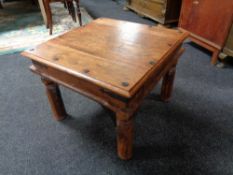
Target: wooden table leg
55	99
124	136
167	85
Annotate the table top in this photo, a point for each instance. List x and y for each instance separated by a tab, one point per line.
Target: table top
112	54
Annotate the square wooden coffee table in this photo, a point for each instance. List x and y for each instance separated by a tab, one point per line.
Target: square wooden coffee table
115	63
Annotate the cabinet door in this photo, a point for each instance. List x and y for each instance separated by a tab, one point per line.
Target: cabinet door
209	19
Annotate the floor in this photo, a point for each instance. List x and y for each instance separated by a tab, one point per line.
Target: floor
191	135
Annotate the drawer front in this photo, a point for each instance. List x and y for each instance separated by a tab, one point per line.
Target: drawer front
151	8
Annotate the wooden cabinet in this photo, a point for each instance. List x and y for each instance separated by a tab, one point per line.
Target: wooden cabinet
208	22
162	11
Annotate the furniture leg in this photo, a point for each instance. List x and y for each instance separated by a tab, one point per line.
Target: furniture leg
43	12
167	85
50	20
55	99
214	58
1	7
124	136
48	16
71	10
79	12
68	6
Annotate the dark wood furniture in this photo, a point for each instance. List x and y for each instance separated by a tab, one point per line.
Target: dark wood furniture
117	67
208	22
33	1
162	11
68	4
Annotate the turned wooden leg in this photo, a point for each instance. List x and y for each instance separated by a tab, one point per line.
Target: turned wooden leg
124	136
79	12
55	99
167	84
214	58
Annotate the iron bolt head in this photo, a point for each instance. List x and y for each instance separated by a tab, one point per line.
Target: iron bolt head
125	84
55	59
152	62
86	71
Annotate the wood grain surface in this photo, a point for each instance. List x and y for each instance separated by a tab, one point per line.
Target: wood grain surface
112	54
162	11
209	19
115	63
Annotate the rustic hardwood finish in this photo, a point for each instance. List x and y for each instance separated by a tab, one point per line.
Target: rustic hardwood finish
163	11
208	21
115	63
55	99
168	79
125	134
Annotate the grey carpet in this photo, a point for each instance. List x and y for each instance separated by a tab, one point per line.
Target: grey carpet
193	134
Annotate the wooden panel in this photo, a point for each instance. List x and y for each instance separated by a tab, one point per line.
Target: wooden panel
150	9
117	58
101	95
163	11
209	19
153	79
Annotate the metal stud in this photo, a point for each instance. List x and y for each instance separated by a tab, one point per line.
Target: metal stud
169	44
86	71
151	62
125	84
55	59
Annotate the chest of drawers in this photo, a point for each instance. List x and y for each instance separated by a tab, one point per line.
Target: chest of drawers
162	11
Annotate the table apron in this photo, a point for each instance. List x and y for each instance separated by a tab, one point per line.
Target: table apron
153	79
103	96
99	94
